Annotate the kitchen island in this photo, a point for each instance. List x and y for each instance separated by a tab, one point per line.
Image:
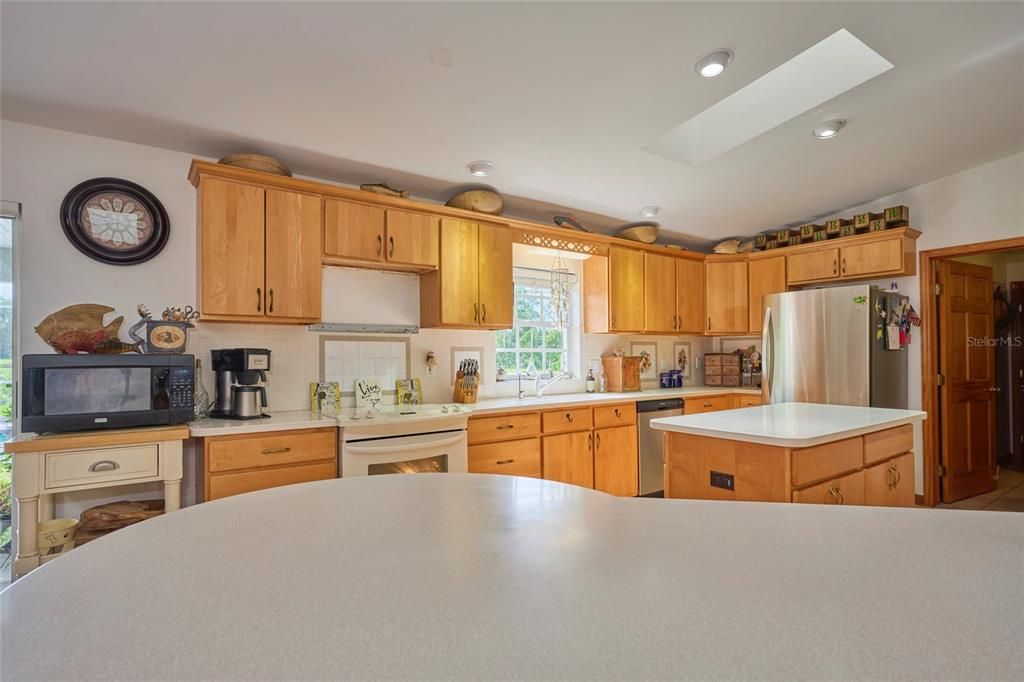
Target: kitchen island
455	576
793	452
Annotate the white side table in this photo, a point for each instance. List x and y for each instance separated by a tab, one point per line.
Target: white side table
58	463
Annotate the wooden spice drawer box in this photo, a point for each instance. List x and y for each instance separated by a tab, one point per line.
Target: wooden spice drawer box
503	427
571	419
511	457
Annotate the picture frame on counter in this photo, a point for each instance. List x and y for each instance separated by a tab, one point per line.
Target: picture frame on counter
648	370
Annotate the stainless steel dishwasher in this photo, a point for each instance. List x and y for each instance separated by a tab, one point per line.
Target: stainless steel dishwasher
651	441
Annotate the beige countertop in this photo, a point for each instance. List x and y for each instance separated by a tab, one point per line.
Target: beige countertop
494	405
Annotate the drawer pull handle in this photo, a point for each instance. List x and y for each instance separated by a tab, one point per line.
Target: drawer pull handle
568	415
391	251
597	437
505	427
617	412
504	461
708	405
834	492
274	451
380	244
104	465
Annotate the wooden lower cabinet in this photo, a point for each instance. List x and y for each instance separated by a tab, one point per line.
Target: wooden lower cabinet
511	457
700	467
890	484
616	463
243	463
569	458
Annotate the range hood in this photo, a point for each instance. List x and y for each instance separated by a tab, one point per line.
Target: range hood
369	302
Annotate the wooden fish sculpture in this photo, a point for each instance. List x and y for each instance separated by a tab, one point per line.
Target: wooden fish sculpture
79	329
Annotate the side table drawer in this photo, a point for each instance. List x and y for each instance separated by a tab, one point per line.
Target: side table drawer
82	467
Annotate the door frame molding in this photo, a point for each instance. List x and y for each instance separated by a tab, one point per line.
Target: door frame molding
929	345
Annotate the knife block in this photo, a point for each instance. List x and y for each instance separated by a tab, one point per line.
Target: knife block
465	394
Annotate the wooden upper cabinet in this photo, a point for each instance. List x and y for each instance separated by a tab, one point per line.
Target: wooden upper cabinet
472	286
412	238
660	294
812	266
726	287
870	258
765	276
231	248
690	295
353	230
495	276
293	278
625	289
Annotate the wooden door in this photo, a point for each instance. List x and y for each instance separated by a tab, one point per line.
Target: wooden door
660	294
871	258
353	230
891	483
616	463
412	238
967	362
812	266
231	248
496	290
726	287
293	255
690	295
459	273
765	276
569	458
1017	371
625	290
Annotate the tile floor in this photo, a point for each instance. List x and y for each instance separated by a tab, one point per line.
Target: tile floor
1008	496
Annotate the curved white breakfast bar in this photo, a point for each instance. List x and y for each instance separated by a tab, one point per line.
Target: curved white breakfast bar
473	576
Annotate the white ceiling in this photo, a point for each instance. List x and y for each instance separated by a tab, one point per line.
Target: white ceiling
562	97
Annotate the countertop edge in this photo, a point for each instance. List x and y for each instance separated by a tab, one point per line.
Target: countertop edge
481	408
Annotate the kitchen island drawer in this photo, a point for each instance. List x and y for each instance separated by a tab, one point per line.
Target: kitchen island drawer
512	457
224	485
614	415
881	445
573	419
826	461
81	467
504	427
276	448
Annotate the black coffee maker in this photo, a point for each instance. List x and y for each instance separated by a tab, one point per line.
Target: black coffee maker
238	375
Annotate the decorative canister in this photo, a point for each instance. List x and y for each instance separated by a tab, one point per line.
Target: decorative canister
677	378
665	380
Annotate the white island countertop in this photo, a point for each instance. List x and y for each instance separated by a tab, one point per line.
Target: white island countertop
468	576
791	425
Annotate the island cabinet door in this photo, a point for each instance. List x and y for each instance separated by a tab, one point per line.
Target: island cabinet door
569	458
847	489
890	484
616	467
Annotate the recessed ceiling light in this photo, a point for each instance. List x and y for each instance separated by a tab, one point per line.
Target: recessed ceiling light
713	63
650	211
829	129
479	169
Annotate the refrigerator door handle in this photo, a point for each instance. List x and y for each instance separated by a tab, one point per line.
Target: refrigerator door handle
768	352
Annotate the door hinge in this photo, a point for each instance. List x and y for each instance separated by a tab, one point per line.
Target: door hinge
938	288
943	471
940	380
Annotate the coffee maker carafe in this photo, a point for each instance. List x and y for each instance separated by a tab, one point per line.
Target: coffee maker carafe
239	391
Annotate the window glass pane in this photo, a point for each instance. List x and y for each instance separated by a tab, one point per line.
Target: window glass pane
529	337
6	328
506	338
553	338
554	361
507	362
528	308
536	358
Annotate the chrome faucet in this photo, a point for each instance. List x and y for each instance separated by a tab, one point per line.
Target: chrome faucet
541	387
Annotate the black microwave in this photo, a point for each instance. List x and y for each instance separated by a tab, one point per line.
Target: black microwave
79	392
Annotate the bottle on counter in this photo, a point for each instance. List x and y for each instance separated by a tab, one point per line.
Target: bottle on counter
200	396
591	382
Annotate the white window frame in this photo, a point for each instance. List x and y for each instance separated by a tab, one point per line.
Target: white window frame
571	337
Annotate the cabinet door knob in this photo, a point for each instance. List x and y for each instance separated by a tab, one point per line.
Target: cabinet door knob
709	324
835	267
834	492
844	265
380	244
391	247
271	308
259	299
568	415
617	412
504	461
104	465
483	307
590	442
598	441
476	312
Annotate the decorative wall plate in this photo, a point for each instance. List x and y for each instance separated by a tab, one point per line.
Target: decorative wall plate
114	221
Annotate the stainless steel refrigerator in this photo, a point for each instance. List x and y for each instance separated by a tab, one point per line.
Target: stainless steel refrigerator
829	346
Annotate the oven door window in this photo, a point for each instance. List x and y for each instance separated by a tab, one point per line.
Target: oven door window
96	390
427	465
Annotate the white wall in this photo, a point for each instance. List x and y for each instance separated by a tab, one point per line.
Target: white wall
980	204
